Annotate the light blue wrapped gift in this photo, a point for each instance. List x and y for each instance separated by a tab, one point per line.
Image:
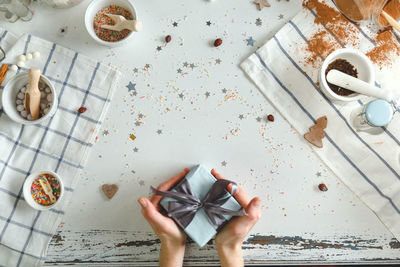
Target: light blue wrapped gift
200	204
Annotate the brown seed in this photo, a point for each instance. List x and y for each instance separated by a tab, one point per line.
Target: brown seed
270	117
168	38
82	110
217	42
322	187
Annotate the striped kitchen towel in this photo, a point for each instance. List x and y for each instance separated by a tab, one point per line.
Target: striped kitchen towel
286	73
61	144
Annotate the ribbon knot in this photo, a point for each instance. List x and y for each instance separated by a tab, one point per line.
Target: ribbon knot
187	204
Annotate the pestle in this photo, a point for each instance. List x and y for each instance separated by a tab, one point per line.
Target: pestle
349	82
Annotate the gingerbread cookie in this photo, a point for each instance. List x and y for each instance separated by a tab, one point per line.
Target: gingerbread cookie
109	190
316	133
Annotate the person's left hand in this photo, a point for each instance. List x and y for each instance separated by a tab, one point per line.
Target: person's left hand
165	228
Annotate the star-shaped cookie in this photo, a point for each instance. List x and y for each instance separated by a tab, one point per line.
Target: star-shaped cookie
261	4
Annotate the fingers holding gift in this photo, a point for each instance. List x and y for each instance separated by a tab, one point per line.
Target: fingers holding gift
150	213
239	195
155	199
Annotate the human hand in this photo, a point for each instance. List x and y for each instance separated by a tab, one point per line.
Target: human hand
172	237
230	239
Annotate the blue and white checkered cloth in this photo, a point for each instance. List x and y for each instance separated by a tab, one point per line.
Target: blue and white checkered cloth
368	164
61	144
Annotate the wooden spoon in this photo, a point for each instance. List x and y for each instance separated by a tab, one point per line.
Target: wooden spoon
121	23
32	94
391	20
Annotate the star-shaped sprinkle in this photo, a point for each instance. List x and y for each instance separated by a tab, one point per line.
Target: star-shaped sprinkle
280	16
250	41
208	23
105	132
241	116
131	86
207	94
224	90
192	65
140	116
318	174
134	93
147	66
259	119
179	70
159	48
175	24
218	61
261	4
185	64
258	22
136	150
224	163
135	70
181	95
159	131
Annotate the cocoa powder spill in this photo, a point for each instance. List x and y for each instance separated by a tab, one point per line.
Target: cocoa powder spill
320	45
386	48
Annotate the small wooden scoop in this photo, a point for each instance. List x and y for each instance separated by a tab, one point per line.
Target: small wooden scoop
121	23
47	189
32	94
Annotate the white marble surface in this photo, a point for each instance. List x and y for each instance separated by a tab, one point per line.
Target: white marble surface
268	159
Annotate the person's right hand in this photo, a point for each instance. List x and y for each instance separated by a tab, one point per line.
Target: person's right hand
230	239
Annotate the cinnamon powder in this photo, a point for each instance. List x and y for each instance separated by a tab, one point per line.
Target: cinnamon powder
334	21
320	45
386	48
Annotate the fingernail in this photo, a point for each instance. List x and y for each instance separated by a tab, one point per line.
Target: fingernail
257	202
142	203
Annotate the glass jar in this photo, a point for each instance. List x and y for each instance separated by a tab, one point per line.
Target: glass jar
377	113
360	10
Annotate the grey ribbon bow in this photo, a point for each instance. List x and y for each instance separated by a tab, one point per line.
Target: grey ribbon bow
187	204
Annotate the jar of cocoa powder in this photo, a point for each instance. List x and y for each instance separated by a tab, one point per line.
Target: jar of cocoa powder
361	10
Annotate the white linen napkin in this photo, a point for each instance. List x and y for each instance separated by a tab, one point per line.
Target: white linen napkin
368	164
61	144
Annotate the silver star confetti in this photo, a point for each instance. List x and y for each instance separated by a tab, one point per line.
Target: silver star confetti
159	131
136	150
258	22
224	163
218	61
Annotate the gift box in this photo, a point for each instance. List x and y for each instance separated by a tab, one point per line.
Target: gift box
200	204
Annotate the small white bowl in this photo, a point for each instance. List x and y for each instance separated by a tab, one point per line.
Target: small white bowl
94	7
27	190
360	61
10	93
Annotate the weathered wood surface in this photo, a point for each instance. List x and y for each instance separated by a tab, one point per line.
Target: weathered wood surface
105	247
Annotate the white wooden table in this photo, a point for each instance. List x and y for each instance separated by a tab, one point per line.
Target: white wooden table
192	104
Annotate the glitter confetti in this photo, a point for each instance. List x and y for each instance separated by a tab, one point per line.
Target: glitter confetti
132	136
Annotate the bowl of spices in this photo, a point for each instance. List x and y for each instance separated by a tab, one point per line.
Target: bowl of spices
351	62
14	99
43	190
97	15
